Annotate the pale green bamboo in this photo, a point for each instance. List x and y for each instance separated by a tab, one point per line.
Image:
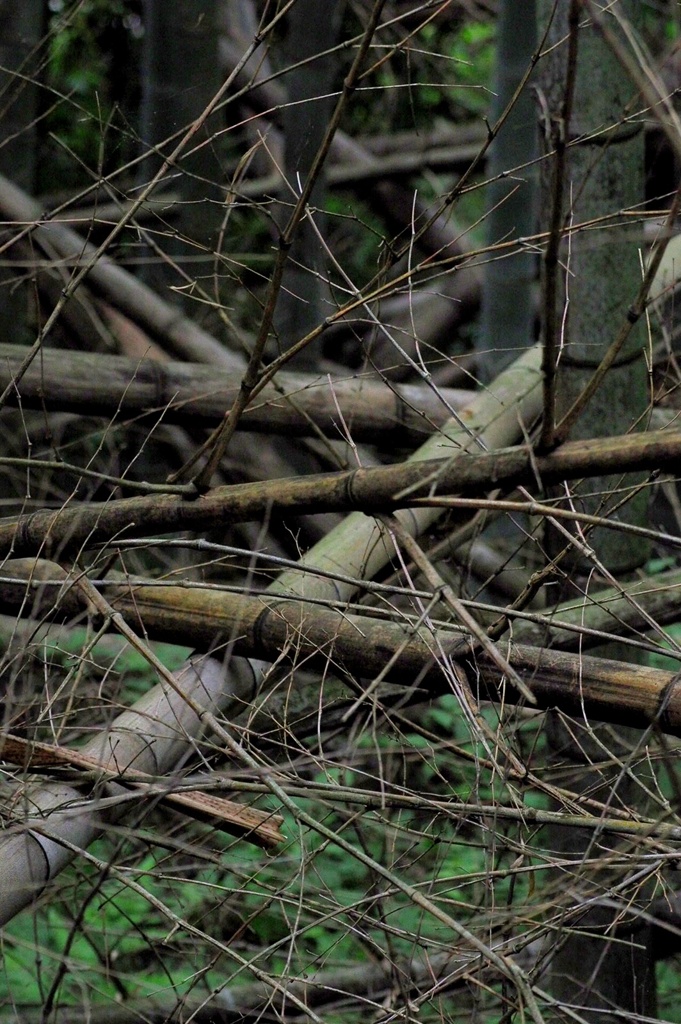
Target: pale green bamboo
153	736
631	605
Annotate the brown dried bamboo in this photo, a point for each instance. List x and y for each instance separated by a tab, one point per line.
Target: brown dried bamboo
268	626
413	485
186	393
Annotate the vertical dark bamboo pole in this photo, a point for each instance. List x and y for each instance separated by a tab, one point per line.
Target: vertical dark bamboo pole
599	153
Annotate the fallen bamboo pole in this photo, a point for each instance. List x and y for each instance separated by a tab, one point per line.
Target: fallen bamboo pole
107	279
406	485
97	384
54	820
269	626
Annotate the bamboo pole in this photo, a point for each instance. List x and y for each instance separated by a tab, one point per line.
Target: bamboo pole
574	625
355	547
97	384
154	736
510	405
628	606
409	655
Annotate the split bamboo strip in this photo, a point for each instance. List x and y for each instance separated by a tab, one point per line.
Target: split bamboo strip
260	827
96	384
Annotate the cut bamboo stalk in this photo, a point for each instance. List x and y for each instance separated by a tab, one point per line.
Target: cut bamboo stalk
153	737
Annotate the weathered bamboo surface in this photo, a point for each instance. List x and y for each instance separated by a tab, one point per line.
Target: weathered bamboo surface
50	822
629	606
268	626
98	384
380	489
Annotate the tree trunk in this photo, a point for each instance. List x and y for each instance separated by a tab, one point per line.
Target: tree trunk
21	29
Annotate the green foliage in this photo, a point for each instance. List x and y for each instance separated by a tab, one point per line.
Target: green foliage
669	1006
473	51
91	66
117	947
69	649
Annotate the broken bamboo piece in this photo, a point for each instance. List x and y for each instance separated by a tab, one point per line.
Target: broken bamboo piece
153	736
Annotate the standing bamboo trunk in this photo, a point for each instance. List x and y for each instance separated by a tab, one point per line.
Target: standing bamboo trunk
178	36
305	115
21	28
507	316
596	167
